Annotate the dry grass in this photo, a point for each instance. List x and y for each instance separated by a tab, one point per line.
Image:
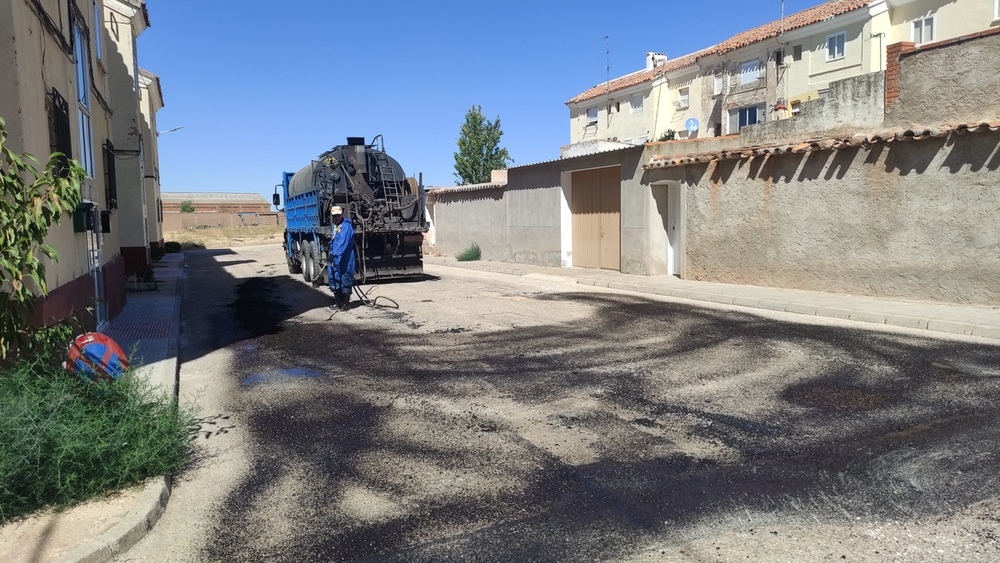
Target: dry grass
226	237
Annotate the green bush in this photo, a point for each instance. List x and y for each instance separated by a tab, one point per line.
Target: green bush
157	252
65	441
172	246
469	254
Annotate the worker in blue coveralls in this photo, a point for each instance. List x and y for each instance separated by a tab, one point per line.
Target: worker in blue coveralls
340	269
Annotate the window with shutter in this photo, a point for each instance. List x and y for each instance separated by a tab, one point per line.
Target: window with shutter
111	179
59	129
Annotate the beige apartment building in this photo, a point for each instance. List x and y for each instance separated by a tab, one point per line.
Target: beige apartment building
60	91
150	101
768	72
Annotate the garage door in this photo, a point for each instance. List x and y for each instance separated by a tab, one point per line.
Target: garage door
596	206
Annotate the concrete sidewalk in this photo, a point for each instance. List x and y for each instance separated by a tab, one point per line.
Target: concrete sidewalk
97	531
938	317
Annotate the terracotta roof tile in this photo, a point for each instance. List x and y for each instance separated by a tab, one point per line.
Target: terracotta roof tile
806	17
860	140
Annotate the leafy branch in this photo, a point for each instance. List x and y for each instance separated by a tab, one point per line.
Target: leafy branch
31	201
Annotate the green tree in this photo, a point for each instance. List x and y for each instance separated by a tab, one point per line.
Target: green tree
31	201
187	206
479	150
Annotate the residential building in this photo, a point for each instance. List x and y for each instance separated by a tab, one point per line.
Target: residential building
768	72
55	96
901	202
125	21
70	84
150	101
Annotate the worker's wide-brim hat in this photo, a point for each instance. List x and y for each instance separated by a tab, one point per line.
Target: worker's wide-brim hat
336	210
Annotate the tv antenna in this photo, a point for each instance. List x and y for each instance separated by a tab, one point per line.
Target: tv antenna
607	69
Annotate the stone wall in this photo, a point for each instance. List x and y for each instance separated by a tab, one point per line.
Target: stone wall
912	220
954	81
853	105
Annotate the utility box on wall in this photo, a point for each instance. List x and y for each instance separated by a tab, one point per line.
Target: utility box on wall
83	218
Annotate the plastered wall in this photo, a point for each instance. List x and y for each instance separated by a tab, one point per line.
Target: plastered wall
911	220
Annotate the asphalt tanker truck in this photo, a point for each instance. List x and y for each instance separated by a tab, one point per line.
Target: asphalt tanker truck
385	206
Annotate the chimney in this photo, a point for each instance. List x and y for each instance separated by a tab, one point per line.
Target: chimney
654	60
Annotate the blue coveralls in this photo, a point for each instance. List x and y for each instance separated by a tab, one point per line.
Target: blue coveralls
340	269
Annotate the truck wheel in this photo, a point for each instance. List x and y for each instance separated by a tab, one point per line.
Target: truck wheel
293	264
307	263
318	277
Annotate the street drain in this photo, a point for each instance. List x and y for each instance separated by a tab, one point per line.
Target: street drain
281	374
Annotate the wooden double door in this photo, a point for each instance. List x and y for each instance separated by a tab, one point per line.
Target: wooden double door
596	206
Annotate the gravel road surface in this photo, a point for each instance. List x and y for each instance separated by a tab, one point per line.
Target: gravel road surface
501	418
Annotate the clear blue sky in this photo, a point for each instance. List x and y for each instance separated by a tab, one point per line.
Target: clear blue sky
264	86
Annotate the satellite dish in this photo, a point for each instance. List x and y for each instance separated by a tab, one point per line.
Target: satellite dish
692	125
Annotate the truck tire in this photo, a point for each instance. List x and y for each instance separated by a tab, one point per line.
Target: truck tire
318	274
307	263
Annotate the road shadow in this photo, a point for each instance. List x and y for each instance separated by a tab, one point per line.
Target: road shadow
793	422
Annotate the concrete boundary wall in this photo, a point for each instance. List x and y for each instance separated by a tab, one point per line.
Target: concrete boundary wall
908	220
528	220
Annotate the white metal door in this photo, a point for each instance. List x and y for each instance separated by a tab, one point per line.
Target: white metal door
674	232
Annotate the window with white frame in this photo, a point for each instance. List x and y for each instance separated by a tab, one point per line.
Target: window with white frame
591	117
636	105
98	25
750	72
835	46
741	117
81	51
683	98
719	85
923	30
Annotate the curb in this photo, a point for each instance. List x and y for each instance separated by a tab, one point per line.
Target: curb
152	501
857	315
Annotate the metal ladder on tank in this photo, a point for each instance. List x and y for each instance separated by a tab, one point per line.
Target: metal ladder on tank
390	183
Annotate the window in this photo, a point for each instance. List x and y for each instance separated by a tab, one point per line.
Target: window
797	53
81	50
749	72
636	106
923	30
591	117
684	98
135	67
835	45
98	26
740	118
111	184
996	9
779	57
720	82
59	130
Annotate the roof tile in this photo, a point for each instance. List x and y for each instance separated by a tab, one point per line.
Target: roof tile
769	30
